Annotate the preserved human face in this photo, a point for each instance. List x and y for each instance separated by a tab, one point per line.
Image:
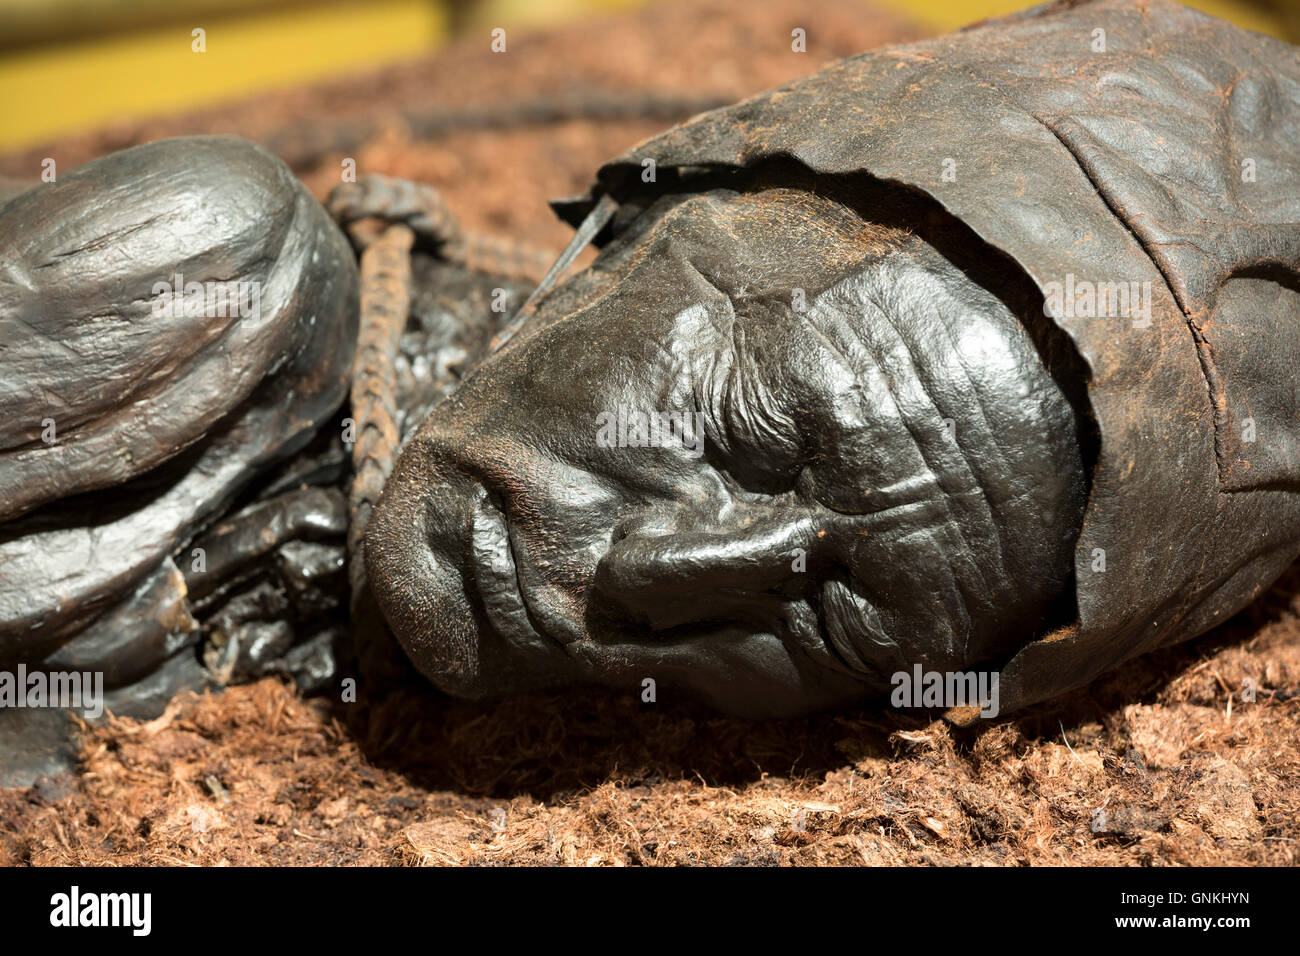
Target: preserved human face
763	452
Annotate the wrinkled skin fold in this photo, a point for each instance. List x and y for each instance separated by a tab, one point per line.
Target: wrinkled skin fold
514	551
129	426
885	471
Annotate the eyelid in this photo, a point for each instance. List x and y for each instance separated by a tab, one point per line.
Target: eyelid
760	435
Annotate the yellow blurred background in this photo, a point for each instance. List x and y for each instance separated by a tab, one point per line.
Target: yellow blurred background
73	65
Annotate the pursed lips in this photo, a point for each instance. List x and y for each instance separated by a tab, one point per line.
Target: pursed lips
496	576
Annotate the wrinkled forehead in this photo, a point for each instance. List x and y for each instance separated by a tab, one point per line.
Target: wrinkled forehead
788	277
695	267
756	286
695	288
754	243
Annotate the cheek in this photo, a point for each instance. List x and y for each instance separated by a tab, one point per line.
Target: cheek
566	522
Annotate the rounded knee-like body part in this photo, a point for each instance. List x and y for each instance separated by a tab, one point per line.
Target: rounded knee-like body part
175	319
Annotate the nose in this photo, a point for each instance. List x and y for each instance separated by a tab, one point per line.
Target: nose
712	571
415	560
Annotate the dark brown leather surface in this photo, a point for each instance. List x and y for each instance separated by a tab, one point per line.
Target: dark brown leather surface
1125	166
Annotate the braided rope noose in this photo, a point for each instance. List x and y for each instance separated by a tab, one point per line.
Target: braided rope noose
413	212
385	304
386	218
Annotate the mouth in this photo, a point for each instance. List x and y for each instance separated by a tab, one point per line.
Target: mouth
495	573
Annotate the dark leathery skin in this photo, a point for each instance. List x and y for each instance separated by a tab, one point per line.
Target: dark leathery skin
1117	166
304	514
271	595
136	635
1122	166
176	414
825	430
